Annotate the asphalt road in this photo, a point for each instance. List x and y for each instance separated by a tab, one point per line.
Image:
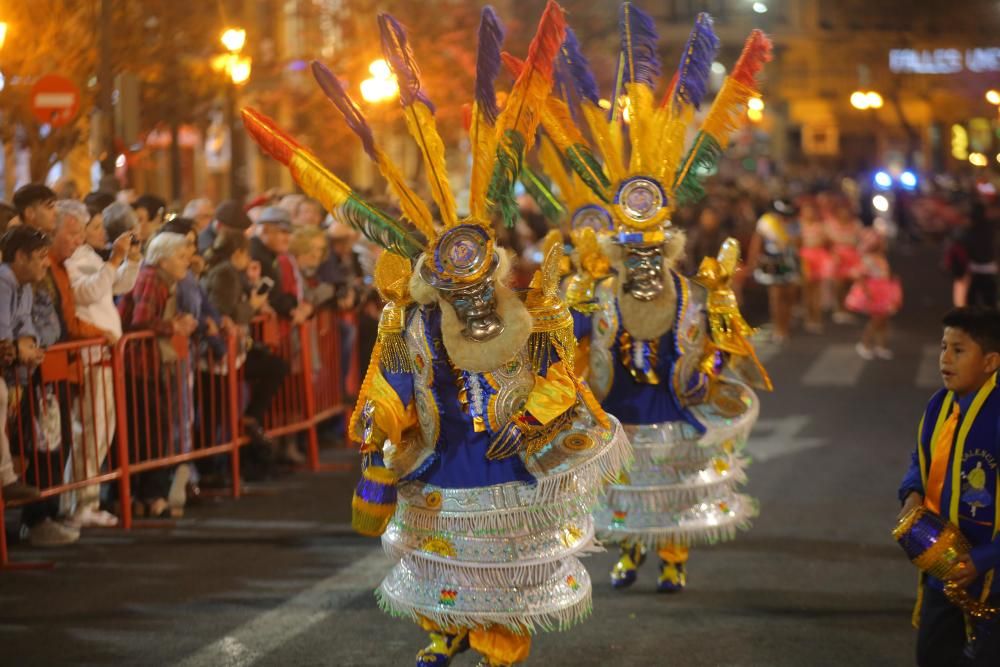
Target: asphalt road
276	578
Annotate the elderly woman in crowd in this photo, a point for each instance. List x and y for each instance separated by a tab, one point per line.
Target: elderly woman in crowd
152	304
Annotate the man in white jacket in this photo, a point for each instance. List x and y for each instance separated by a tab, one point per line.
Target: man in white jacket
95	283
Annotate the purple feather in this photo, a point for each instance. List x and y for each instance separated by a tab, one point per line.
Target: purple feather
696	62
639	38
491	34
347	107
579	68
399	55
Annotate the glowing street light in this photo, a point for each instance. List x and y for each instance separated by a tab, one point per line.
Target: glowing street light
239	69
760	7
880	203
234	39
978	160
874	100
382	85
755	103
992	96
859	100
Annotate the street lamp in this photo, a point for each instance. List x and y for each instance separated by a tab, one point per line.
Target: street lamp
381	86
234	39
992	96
866	99
238	69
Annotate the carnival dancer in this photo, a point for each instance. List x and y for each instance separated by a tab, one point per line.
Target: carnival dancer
875	293
845	234
773	257
483	453
817	264
658	342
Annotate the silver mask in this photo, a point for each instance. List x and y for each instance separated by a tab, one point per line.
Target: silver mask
643	272
476	307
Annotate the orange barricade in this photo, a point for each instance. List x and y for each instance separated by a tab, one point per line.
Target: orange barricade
74	385
163	402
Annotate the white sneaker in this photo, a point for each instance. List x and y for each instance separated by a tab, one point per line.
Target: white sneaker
91	518
178	487
864	351
884	353
51	533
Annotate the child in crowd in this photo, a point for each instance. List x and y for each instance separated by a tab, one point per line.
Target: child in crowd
875	293
953	472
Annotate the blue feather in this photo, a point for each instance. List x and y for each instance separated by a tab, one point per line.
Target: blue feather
696	62
491	35
639	39
347	107
579	68
397	51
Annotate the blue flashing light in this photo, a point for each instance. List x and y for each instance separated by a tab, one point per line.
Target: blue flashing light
883	180
908	180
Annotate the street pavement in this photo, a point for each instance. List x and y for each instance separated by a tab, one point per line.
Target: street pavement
277	578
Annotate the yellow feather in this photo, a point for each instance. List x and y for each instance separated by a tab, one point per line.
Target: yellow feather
483	142
521	111
552	165
671	147
641	130
617	135
724	117
420	123
413	207
559	125
600	129
317	181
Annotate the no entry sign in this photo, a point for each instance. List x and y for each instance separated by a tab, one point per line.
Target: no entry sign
54	100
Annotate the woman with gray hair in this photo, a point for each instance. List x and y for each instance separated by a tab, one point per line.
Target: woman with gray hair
152	305
119	218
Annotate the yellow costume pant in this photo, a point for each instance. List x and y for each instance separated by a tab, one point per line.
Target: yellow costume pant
673	553
497	643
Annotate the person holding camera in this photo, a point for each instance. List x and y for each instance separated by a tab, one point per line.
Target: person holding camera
95	284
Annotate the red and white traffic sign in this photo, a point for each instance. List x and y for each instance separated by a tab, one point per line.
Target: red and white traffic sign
55	100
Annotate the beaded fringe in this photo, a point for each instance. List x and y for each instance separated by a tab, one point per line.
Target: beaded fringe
518	623
654	538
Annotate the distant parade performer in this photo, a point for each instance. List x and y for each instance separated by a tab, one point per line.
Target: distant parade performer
953	475
658	343
773	257
483	452
875	293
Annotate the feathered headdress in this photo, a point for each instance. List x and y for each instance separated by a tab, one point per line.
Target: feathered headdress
458	251
653	174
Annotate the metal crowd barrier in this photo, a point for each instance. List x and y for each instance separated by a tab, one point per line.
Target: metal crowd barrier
92	414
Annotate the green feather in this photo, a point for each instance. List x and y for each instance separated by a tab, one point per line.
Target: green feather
506	170
702	158
393	235
586	166
548	203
